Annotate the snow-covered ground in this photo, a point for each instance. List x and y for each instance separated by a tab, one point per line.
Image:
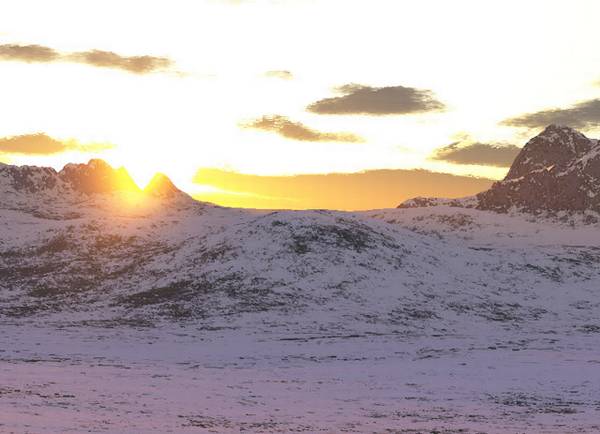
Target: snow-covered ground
188	379
184	317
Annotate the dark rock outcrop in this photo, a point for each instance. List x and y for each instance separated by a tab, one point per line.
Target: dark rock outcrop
558	170
28	179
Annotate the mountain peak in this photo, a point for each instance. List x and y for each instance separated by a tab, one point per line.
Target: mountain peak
557	128
161	186
97	176
558	170
560	133
555	146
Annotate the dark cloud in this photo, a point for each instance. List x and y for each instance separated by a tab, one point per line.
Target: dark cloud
42	144
108	59
391	100
298	131
28	53
583	115
350	191
478	153
282	74
97	58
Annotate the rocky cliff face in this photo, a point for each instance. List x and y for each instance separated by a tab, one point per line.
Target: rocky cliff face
558	170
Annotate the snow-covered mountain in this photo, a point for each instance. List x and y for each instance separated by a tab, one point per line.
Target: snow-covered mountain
556	172
87	257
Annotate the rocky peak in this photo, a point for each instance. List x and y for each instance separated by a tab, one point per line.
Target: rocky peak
97	176
161	186
555	146
558	170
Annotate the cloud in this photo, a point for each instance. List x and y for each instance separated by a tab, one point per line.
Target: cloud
282	74
478	153
391	100
42	144
108	59
28	53
298	131
97	58
349	191
583	115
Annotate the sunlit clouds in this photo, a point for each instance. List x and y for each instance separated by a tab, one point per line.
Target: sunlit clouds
98	58
280	88
42	144
281	74
583	115
366	100
298	131
484	154
28	53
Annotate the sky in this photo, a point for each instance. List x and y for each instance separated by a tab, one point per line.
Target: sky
271	103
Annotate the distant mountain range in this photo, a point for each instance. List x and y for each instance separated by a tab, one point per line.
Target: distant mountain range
95	177
556	171
46	192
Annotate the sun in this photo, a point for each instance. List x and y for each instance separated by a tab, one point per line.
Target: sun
141	174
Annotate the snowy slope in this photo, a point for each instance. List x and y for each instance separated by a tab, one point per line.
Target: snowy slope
426	318
186	260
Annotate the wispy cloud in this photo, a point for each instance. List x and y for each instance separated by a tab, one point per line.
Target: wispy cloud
279	73
583	115
42	144
28	53
485	154
108	59
298	131
390	100
98	58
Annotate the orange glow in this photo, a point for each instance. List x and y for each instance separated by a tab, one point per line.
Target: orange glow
353	191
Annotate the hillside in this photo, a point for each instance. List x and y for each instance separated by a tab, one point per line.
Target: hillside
276	321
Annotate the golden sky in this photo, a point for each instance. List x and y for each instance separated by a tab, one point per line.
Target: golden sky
249	93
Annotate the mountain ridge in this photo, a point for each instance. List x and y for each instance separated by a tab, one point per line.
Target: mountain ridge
76	182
